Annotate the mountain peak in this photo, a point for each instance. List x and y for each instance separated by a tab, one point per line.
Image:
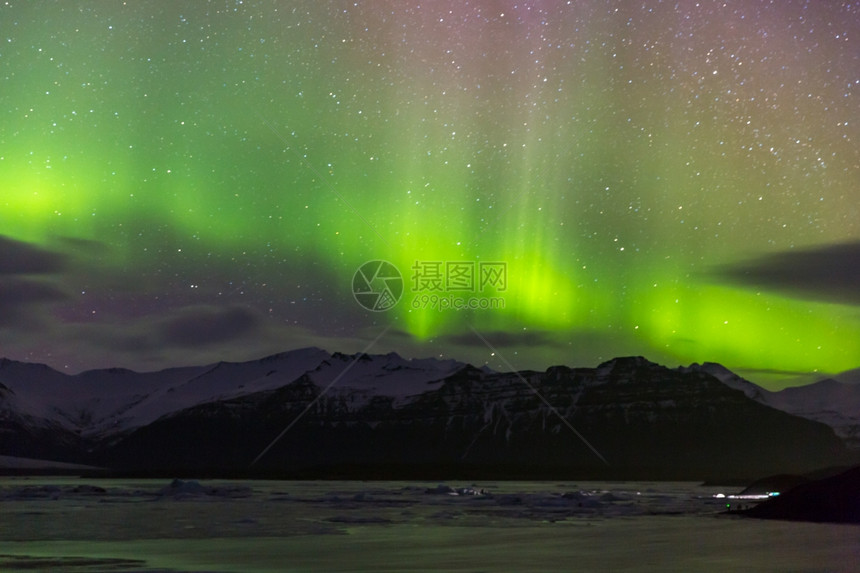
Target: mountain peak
626	363
6	363
715	369
366	357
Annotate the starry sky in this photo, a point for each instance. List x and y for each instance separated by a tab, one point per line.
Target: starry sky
187	182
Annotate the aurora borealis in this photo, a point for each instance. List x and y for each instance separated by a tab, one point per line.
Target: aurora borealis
185	182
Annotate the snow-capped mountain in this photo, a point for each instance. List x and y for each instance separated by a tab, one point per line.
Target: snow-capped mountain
627	417
835	402
384	413
728	378
849	377
100	403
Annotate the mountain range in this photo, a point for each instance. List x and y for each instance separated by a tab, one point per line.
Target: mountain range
311	413
834	401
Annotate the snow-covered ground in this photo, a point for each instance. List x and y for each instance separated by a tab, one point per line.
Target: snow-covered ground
53	524
11	462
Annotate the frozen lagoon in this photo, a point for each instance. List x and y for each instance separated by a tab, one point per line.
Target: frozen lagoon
64	524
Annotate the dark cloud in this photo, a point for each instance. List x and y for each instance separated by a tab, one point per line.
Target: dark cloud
130	340
20	298
538	349
17	257
205	325
149	344
503	339
15	292
828	273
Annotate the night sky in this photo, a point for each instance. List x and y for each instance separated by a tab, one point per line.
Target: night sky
188	182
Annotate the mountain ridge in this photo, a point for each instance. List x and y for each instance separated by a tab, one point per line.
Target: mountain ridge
649	418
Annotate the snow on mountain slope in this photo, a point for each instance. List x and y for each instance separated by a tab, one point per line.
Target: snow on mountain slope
215	382
389	374
12	462
388	413
89	402
98	403
730	379
833	402
32	388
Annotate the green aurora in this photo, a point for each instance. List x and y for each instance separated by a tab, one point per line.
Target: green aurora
200	181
